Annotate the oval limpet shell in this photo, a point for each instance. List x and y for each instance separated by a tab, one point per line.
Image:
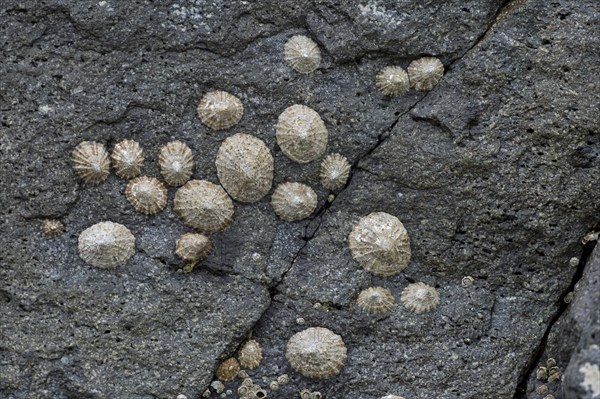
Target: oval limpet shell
302	54
128	159
220	110
293	201
425	73
106	245
176	163
90	161
392	81
250	355
420	298
301	134
335	170
147	195
204	206
228	370
375	300
316	352
193	247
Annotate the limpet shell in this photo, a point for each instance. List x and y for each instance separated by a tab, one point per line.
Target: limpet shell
52	228
335	170
228	370
106	245
293	201
379	243
302	54
316	352
425	73
176	163
193	247
301	134
128	159
375	300
203	206
245	167
220	110
250	355
147	195
90	161
420	298
392	81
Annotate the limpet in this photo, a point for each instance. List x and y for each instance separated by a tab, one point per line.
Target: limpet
420	298
375	300
176	163
90	161
301	134
316	352
52	228
302	54
204	206
106	245
147	195
392	81
293	201
250	355
425	73
228	370
128	159
220	110
335	170
193	247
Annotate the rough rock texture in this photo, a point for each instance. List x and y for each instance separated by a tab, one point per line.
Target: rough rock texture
495	174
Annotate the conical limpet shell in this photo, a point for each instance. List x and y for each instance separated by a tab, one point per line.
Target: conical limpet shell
128	159
228	370
392	81
293	201
176	163
379	243
193	247
52	228
301	134
335	170
425	73
204	206
302	54
220	110
250	355
90	161
375	300
146	194
316	352
420	298
106	245
245	167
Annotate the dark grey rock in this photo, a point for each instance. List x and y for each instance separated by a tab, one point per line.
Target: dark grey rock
494	174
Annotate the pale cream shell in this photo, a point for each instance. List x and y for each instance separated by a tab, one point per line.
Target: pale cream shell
302	54
293	201
176	163
220	110
316	352
52	228
301	134
420	298
106	245
204	206
193	247
91	162
392	81
250	355
375	300
147	195
128	159
380	244
335	170
245	167
425	73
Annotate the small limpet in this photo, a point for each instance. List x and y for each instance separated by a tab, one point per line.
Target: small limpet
147	195
293	201
176	163
301	134
316	352
375	300
392	81
128	159
420	298
193	247
204	206
335	170
302	54
425	73
52	228
220	110
250	355
228	370
106	245
90	161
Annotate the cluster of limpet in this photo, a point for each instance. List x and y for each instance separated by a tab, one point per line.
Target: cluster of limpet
316	352
375	300
128	159
106	245
420	298
176	163
220	110
302	54
146	194
293	201
301	134
90	161
52	228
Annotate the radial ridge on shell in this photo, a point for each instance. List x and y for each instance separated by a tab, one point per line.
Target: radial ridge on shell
220	110
301	134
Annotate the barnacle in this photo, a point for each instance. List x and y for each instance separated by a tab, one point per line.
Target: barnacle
250	355
91	162
301	134
203	206
375	300
283	379
106	245
218	386
193	247
146	194
274	385
293	201
425	73
316	352
128	159
392	81
220	110
335	170
176	163
420	298
52	228
379	243
245	167
228	370
302	54
467	281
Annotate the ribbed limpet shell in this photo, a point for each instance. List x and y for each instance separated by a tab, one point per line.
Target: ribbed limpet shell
106	245
52	228
301	134
425	73
392	81
316	352
90	161
302	54
193	247
147	195
250	355
335	170
375	300
379	243
176	163
245	167
293	201
228	370
128	159
420	298
204	206
220	110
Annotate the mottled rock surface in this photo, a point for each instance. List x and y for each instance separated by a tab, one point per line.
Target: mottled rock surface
495	174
